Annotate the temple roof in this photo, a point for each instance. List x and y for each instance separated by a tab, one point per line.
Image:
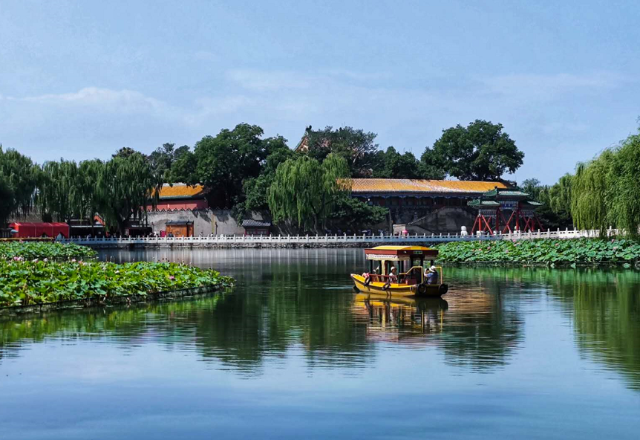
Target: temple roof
421	186
181	191
477	203
251	223
506	194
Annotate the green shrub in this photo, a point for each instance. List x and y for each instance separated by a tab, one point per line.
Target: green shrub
38	282
544	251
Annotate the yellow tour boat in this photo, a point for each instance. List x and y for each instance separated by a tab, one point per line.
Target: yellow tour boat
400	272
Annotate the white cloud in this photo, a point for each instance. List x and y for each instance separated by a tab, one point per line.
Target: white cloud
284	102
127	100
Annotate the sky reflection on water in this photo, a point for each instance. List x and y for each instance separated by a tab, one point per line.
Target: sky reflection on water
292	352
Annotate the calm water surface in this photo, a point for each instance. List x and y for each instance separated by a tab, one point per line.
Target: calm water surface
293	353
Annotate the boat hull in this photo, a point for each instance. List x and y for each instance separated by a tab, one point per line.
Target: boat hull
399	290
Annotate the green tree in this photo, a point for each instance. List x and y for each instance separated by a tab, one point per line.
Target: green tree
623	196
124	152
59	194
304	190
88	201
164	158
356	146
256	189
6	200
480	151
126	185
356	214
533	187
18	180
226	160
606	191
392	165
183	169
589	196
556	204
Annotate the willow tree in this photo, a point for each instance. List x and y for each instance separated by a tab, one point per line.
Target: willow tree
606	191
18	179
589	193
88	198
125	186
556	203
623	201
305	190
58	193
6	200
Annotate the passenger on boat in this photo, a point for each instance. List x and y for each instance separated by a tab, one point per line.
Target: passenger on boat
393	276
431	273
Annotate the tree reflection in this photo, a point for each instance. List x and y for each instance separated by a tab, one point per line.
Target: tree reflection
606	313
293	308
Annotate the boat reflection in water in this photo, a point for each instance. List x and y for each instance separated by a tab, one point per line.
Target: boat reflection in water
399	319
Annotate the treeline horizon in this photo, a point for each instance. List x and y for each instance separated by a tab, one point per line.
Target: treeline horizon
248	172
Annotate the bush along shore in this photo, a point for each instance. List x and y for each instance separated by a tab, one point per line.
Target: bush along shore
544	252
44	280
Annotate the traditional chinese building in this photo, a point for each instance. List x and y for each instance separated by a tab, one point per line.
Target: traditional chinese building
431	206
419	194
256	227
503	210
181	196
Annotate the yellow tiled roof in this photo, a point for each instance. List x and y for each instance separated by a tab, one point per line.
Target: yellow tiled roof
179	190
421	185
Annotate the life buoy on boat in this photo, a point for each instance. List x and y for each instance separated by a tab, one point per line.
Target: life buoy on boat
422	289
444	288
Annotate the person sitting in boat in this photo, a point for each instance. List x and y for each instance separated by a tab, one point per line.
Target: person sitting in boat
431	273
393	276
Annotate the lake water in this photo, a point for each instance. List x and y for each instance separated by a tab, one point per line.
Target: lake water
293	353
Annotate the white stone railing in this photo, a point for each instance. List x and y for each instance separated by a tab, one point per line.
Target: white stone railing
332	239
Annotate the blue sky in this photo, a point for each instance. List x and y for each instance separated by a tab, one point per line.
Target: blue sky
81	79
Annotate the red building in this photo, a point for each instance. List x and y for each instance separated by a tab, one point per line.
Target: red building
52	230
180	196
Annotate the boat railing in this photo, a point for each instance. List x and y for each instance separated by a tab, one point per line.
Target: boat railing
407	276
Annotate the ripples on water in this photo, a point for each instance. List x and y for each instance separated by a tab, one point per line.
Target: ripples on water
293	323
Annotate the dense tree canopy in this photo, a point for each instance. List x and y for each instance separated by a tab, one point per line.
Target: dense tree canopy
164	158
125	187
356	215
248	172
18	180
256	189
226	160
606	191
555	211
480	151
357	147
60	194
391	164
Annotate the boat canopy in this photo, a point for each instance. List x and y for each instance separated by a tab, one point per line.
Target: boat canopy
399	253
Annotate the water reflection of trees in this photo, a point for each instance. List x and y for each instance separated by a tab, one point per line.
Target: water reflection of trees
297	303
283	307
483	327
606	313
604	305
